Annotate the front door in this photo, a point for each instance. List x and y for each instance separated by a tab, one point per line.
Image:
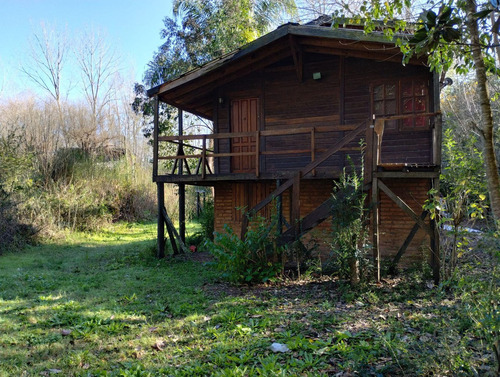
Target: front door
244	118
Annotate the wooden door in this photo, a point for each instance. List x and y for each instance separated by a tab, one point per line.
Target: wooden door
244	118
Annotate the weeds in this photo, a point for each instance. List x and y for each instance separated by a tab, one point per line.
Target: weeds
101	305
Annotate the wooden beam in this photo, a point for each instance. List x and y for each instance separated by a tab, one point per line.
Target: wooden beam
406	174
295	210
375	231
155	136
405	207
182	187
175	234
160	233
407	241
279	209
297	57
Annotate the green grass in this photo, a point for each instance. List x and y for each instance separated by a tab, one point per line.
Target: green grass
102	305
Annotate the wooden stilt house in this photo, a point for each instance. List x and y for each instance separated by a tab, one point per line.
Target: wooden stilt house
287	111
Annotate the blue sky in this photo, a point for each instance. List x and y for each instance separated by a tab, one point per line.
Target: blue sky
132	27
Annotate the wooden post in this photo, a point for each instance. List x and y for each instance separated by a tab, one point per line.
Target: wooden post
295	210
313	147
375	203
161	220
155	137
375	228
279	208
435	244
257	154
204	158
182	186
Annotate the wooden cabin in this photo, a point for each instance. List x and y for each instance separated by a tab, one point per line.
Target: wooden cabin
289	110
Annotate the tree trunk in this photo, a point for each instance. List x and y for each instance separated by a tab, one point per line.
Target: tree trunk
490	162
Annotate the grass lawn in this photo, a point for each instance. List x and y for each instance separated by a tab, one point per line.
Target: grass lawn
102	305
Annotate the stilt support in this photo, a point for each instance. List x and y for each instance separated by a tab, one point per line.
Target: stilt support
161	220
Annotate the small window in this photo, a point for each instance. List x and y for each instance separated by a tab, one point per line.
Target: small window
414	101
404	97
385	101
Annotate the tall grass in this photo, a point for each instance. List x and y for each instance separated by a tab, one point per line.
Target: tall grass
91	194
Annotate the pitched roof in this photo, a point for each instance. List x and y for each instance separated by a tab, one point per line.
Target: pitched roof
317	36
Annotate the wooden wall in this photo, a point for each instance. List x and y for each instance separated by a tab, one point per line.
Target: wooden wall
395	225
341	97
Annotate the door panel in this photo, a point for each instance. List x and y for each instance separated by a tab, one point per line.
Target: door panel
244	118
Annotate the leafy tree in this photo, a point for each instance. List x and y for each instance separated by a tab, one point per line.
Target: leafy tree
200	31
452	33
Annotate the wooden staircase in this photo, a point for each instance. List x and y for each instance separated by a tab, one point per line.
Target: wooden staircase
301	225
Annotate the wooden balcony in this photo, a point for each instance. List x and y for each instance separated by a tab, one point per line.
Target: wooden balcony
208	162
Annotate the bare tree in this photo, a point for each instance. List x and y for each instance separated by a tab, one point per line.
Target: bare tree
45	60
98	64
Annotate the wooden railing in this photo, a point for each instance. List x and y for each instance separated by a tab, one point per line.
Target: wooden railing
294	182
259	138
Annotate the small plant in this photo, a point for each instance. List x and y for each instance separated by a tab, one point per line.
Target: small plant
348	225
255	259
207	220
462	199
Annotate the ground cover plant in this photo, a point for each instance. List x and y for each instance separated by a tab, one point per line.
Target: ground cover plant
100	304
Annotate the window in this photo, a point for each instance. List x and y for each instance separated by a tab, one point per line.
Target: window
409	96
414	101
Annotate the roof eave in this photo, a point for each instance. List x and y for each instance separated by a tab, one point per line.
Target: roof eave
287	29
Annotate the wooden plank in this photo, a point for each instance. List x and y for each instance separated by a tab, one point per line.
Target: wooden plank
407	241
347	138
295	210
257	154
375	230
204	158
155	136
313	146
175	235
288	151
405	207
297	57
161	221
342	90
409	174
435	242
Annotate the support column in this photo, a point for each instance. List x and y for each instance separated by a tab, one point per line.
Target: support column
435	245
182	186
295	210
279	208
161	220
375	228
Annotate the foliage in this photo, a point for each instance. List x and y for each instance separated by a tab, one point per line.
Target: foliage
16	172
207	220
100	304
203	30
256	259
348	225
461	201
458	34
96	194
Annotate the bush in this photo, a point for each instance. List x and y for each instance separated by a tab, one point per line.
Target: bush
207	220
16	171
256	259
91	194
348	226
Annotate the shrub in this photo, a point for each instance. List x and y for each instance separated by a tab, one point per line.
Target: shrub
16	171
207	220
255	259
349	232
